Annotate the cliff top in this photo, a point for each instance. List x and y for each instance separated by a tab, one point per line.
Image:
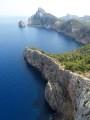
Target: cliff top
77	61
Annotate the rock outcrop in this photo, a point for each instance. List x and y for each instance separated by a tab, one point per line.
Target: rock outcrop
66	92
21	24
42	19
75	28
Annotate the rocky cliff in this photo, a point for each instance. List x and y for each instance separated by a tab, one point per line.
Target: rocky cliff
75	28
42	19
67	93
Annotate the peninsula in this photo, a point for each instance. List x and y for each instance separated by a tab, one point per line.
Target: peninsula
67	93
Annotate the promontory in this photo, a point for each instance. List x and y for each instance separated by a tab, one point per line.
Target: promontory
67	92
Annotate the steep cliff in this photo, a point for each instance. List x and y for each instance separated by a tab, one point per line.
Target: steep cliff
77	61
66	92
75	28
42	19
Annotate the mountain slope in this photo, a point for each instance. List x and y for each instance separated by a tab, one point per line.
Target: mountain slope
76	61
77	30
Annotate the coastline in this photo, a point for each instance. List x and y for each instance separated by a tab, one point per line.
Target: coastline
60	32
64	89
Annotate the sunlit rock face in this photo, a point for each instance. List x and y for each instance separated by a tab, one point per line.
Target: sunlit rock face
67	93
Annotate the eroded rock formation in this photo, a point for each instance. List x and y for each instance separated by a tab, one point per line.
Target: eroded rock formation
66	92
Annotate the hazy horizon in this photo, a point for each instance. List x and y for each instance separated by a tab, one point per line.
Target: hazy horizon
58	8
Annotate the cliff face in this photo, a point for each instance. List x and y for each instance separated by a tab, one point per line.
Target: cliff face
42	19
67	93
76	29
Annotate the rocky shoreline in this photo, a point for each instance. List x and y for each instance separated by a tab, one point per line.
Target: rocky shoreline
73	28
60	32
67	93
76	29
21	24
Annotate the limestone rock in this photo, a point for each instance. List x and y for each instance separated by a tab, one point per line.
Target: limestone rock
66	92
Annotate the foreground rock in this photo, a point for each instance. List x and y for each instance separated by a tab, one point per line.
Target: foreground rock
67	93
21	24
75	27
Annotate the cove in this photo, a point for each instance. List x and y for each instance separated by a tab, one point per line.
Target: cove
21	87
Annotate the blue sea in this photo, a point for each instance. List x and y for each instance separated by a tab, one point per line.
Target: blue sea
21	86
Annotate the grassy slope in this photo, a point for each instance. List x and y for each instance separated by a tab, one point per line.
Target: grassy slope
76	61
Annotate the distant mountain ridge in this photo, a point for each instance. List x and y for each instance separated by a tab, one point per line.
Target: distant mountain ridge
69	17
70	25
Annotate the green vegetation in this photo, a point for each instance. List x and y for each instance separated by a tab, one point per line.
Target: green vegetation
76	61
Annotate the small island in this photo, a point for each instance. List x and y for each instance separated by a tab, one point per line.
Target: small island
21	24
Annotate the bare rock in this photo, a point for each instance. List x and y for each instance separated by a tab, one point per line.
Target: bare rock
66	92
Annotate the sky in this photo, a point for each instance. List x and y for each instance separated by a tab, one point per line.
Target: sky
56	7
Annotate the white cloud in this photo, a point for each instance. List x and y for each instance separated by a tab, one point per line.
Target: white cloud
56	7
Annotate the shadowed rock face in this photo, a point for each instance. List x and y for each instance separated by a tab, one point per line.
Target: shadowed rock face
67	93
75	28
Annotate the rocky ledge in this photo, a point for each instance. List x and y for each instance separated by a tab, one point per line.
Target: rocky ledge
67	93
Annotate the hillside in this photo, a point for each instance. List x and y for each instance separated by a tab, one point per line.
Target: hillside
77	29
76	61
